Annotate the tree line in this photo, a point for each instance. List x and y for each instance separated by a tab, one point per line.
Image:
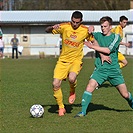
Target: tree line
65	4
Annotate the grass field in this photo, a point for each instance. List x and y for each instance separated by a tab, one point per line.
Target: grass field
25	82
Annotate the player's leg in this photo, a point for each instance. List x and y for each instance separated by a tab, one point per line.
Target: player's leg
74	70
97	78
116	79
58	96
60	73
123	63
125	94
87	96
73	84
86	99
122	60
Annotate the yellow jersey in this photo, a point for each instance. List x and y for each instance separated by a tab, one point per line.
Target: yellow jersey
72	41
118	30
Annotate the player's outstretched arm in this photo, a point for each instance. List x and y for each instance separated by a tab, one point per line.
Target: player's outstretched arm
50	28
126	44
91	29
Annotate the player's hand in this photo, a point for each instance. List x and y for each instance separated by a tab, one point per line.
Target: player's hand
91	29
88	44
56	26
105	58
128	44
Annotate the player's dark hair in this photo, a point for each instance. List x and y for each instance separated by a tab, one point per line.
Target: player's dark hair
123	18
77	14
106	18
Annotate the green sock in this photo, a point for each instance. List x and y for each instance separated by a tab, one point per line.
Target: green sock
130	100
86	98
130	97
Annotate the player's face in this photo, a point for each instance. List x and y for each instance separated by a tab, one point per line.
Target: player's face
75	22
106	27
123	23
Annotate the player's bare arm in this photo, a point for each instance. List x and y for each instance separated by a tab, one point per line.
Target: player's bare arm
50	28
97	48
126	44
91	29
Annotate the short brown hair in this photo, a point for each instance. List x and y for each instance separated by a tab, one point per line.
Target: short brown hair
106	18
123	18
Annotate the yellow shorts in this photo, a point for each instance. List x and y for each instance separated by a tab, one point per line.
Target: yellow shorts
120	56
62	69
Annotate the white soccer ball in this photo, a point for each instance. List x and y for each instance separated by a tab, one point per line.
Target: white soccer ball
36	110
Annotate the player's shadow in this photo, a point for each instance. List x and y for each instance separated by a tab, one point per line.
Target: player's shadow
68	107
95	107
106	85
91	107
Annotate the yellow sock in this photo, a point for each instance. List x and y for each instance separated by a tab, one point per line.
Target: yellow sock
73	86
59	98
121	65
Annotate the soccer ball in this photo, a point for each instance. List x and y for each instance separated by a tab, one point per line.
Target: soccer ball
36	110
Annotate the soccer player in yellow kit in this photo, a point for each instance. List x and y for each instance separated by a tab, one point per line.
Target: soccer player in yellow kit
119	30
70	62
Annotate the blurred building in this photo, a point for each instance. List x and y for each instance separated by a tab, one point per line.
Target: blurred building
30	28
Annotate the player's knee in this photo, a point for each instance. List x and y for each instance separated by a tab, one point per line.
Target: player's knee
72	77
72	80
126	63
56	85
91	85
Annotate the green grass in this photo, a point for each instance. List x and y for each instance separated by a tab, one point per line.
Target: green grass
25	82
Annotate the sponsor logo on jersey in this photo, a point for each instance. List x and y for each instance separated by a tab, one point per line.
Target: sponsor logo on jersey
71	43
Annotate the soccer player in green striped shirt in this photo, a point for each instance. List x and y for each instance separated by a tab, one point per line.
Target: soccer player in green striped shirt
105	43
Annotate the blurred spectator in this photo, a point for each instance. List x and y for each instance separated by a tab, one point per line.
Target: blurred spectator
1	46
14	42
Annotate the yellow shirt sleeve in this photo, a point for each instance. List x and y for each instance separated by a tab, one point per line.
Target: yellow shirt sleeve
90	37
118	30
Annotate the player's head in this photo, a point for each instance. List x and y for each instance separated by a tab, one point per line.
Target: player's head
106	25
76	19
123	21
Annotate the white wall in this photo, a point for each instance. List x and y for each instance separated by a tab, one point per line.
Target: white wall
48	43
